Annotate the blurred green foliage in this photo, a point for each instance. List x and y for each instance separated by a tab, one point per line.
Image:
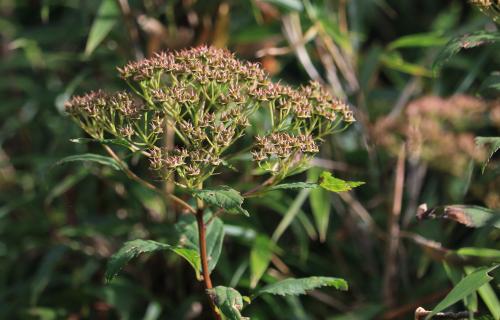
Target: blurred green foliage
60	223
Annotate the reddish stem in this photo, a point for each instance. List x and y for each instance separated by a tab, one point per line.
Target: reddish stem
204	259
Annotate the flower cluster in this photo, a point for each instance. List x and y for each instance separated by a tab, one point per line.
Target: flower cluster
489	7
300	119
437	130
208	98
117	114
283	145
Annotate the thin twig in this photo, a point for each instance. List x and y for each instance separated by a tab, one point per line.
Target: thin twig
363	214
254	191
148	185
389	283
132	31
401	311
421	314
293	33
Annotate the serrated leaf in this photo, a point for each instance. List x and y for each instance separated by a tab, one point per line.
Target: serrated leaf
330	183
465	287
223	197
493	142
229	301
107	161
107	16
132	249
294	185
467	41
300	286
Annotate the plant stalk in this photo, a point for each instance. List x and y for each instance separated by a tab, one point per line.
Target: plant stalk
204	259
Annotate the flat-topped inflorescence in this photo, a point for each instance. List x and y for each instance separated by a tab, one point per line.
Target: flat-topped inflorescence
207	97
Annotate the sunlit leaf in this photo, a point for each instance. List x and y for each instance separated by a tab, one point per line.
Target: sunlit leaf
418	40
330	183
486	253
394	60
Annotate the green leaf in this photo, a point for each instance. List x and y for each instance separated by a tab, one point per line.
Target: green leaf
107	16
66	183
330	183
229	301
490	85
418	40
493	142
188	229
486	253
260	257
300	286
132	249
290	214
394	60
192	257
292	5
215	238
488	295
293	185
107	161
465	287
472	216
467	41
45	271
223	197
118	142
319	200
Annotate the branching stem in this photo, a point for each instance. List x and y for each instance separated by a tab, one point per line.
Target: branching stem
148	185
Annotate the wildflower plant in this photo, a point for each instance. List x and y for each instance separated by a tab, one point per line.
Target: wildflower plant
211	102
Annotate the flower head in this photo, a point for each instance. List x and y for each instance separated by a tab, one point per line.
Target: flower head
207	98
